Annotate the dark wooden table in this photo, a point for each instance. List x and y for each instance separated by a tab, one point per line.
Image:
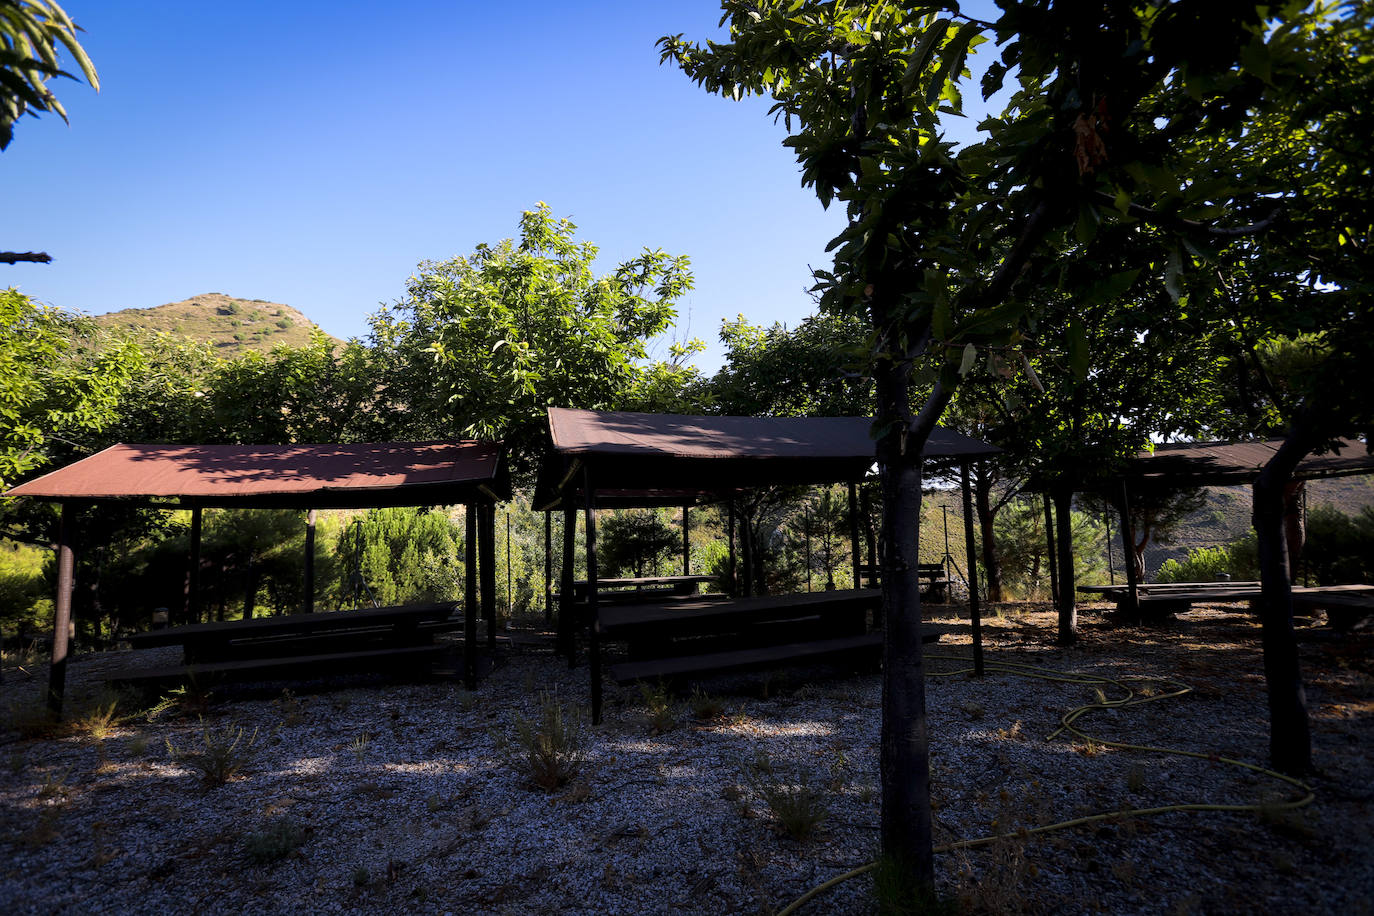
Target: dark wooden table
706	613
302	634
672	585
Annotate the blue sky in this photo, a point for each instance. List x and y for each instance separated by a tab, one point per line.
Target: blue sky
313	153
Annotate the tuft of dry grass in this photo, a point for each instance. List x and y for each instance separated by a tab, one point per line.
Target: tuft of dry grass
221	755
551	748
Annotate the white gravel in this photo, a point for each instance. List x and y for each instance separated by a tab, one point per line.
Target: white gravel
405	799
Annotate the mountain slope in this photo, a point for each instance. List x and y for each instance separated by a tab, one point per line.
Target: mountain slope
232	326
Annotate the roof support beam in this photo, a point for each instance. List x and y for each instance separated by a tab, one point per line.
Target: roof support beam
62	617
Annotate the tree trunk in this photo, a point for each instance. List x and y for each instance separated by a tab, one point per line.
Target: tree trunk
1290	739
906	823
992	566
1068	608
1294	525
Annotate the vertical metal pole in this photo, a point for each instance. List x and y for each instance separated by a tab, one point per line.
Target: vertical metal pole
686	541
548	566
486	543
730	528
62	616
1127	551
949	557
594	652
193	574
470	595
1111	565
1049	544
806	535
510	582
854	534
310	562
567	608
975	614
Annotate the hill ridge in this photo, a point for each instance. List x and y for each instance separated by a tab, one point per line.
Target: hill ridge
232	325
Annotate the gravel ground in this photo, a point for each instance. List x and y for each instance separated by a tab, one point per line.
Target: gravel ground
409	798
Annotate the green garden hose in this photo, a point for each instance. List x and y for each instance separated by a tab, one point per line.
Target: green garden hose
1067	724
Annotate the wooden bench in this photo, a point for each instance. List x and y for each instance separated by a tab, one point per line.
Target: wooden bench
358	630
388	660
935	584
866	645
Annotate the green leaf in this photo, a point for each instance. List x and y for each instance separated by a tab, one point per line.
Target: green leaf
969	358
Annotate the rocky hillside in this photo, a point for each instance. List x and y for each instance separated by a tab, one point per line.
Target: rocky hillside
232	326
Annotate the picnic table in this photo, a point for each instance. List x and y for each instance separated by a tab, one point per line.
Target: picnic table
303	635
654	585
1174	597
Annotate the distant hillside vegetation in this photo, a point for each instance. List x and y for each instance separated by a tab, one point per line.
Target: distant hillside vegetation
1226	516
232	326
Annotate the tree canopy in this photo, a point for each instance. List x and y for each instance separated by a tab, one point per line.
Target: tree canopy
482	345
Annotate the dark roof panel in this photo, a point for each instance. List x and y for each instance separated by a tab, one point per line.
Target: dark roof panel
304	476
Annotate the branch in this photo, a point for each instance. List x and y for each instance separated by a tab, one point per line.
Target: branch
14	257
1170	221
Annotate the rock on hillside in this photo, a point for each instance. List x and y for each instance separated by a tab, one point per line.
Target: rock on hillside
232	326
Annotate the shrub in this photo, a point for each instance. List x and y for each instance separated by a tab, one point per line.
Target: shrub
662	710
222	754
798	807
551	748
705	706
274	843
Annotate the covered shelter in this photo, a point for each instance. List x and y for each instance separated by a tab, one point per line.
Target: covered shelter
1177	465
306	477
602	455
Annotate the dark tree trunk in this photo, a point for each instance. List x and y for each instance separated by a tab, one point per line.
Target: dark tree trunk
1294	525
1068	608
1290	739
1051	557
992	566
906	822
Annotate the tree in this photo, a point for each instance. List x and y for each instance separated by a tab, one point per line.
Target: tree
636	538
30	33
482	345
946	252
57	390
813	370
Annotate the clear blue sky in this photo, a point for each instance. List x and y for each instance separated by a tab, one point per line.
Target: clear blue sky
313	153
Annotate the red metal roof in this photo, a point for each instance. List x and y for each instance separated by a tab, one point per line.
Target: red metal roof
307	476
680	436
1217	463
654	452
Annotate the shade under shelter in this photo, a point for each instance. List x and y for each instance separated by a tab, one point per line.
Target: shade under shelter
611	458
336	476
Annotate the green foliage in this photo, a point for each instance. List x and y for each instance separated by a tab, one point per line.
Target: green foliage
53	389
405	555
220	755
1340	548
552	751
482	345
812	370
24	594
275	842
637	541
1204	564
798	808
1020	533
33	34
662	710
